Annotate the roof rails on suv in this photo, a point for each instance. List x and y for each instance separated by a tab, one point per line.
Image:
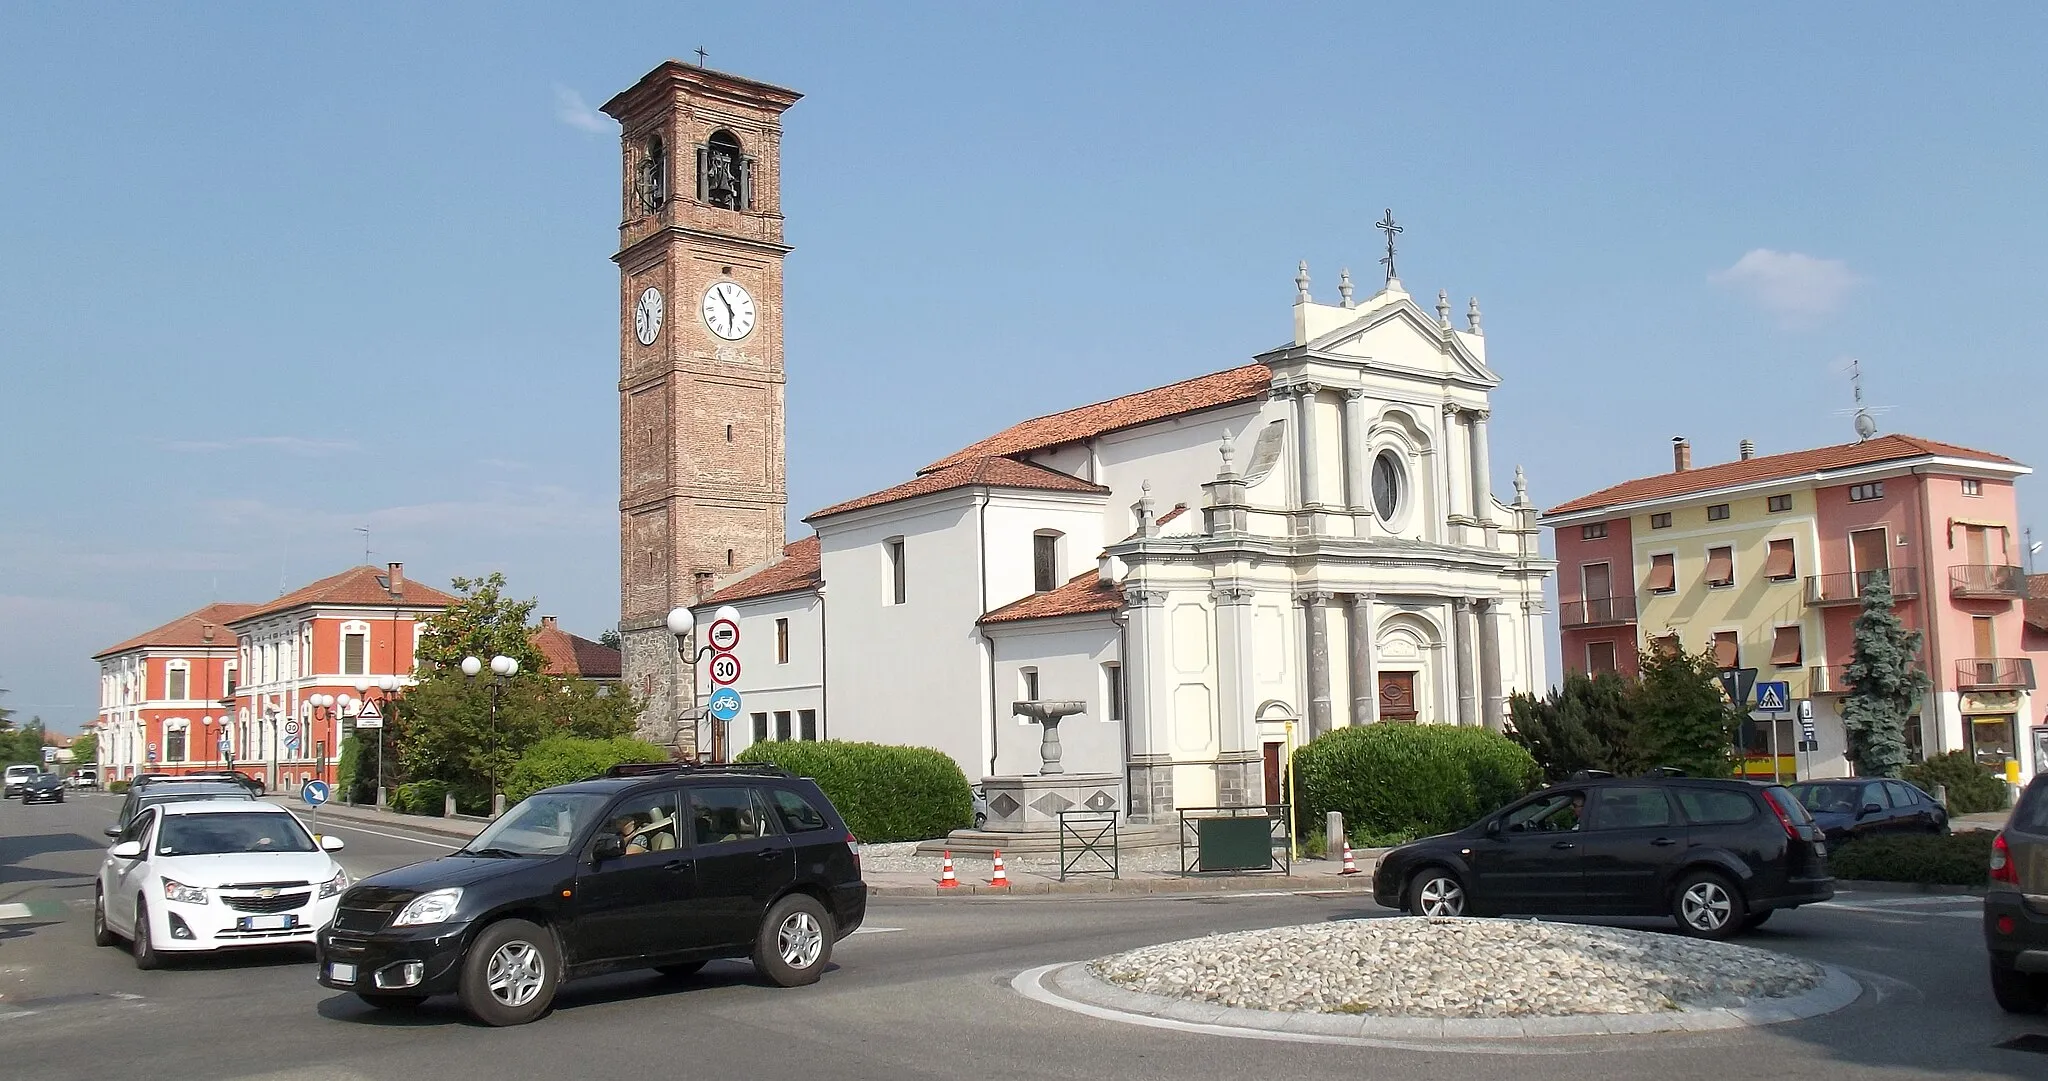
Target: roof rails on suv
1665	771
1591	774
646	769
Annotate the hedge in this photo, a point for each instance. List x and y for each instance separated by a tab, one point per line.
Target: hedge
115	788
1959	859
420	798
1406	780
1972	789
566	759
885	793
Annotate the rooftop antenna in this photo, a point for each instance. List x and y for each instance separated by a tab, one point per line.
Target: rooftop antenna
365	531
1864	416
2033	546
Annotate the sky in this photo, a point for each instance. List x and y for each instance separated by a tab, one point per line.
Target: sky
270	274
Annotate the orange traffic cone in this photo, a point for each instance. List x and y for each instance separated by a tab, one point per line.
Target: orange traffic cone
1000	879
1350	866
946	879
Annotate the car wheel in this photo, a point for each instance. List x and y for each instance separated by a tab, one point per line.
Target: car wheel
1436	891
391	1002
2018	992
145	953
1755	920
1707	905
510	972
795	943
980	820
102	935
680	969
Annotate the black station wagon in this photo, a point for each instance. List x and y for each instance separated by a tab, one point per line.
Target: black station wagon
1718	856
662	867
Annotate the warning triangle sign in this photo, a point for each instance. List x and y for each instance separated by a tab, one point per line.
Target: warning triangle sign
369	713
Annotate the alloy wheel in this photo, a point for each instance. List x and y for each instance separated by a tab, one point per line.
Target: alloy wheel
800	940
516	973
1706	905
1441	896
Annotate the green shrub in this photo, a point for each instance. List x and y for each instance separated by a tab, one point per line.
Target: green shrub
420	798
352	780
117	787
885	793
1972	789
1405	780
565	759
1961	859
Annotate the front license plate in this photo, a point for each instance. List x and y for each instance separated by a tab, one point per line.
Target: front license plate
341	973
269	923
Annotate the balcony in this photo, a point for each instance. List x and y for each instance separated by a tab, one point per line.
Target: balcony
1994	674
1828	590
1987	582
1827	679
1597	612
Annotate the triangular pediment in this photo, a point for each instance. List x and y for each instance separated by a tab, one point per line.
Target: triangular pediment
1401	337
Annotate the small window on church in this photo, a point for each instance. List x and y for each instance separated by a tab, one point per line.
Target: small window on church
1045	562
728	433
724	173
1386	486
728	557
652	182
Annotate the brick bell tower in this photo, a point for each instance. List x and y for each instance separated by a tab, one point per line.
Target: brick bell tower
702	493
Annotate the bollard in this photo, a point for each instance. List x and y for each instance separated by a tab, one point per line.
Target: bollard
498	805
1940	795
1333	835
380	797
448	805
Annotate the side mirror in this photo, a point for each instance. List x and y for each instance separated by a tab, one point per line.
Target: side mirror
1493	828
609	847
112	831
1870	809
127	850
331	843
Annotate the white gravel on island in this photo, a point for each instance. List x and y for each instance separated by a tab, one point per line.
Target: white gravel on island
1420	967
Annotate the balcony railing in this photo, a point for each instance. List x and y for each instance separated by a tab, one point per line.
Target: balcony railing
1847	587
1995	674
1981	581
1597	611
1827	679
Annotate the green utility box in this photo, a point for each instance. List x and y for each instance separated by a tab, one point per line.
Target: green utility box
1234	844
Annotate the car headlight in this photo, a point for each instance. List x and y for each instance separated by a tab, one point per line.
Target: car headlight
183	894
435	907
333	886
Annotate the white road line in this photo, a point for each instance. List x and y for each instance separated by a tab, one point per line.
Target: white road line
1958	914
14	912
875	930
450	843
1890	902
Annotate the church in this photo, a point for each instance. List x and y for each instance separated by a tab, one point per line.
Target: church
1216	569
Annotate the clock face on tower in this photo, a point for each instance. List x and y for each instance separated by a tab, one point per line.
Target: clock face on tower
647	316
728	310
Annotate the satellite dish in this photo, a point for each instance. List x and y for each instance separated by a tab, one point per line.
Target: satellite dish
1866	426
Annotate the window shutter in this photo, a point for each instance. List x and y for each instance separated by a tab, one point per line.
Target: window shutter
703	176
1720	566
1726	653
746	183
1785	651
352	655
1781	564
1663	574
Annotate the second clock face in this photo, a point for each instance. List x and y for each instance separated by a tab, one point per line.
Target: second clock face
729	310
647	316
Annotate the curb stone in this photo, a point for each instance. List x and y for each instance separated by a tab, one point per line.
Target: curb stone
1877	886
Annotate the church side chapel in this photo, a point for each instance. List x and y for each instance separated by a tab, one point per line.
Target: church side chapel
1209	570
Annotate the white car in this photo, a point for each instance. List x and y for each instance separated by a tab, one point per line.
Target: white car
210	875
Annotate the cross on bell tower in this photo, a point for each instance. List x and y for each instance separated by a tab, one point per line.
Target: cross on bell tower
1386	225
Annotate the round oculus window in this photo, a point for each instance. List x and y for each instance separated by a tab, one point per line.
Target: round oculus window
1386	485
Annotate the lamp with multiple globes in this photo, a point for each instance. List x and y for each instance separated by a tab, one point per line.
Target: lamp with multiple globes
503	668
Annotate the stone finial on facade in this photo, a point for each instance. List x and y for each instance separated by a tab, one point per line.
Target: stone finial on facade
1472	317
1301	283
1521	488
1443	309
1229	452
1344	287
1148	523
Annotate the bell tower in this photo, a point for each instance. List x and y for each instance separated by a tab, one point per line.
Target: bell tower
702	493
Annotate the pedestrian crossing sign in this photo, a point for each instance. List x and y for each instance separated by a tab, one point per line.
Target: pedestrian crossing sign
1773	697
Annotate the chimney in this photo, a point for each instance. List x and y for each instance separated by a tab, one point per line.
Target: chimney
395	575
547	623
1748	449
1681	454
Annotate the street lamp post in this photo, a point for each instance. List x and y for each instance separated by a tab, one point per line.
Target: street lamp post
226	747
326	709
502	668
387	688
681	623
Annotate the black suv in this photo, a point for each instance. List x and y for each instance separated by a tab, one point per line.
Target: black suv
663	867
1718	856
2016	905
171	790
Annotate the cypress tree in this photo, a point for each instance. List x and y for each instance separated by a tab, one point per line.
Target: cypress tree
1884	684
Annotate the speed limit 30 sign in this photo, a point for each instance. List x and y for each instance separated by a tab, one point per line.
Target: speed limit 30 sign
725	669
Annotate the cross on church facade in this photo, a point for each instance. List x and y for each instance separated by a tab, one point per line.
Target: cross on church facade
1386	225
701	54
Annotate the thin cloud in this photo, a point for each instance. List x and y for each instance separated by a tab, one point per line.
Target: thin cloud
1799	289
288	444
571	109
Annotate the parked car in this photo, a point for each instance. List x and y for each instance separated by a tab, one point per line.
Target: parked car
653	866
2016	904
84	779
254	785
1717	856
1864	807
980	799
172	790
192	876
16	776
44	787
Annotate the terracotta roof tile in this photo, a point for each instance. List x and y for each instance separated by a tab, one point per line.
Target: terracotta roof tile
189	630
573	655
1884	448
358	586
1189	396
976	473
797	570
1086	593
2037	601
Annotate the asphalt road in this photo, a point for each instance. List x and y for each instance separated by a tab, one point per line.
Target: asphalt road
924	994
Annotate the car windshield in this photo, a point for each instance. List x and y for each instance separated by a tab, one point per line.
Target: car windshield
543	824
1825	798
217	834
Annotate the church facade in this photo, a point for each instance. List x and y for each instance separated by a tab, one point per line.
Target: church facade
1217	569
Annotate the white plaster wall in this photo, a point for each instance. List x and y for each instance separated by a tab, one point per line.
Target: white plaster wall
1178	457
1069	654
1015	518
765	685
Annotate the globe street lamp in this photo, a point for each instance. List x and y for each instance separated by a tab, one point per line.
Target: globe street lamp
326	709
503	668
681	623
388	687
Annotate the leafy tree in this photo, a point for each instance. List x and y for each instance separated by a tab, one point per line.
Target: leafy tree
1685	718
483	623
1884	684
85	750
1587	724
610	638
6	715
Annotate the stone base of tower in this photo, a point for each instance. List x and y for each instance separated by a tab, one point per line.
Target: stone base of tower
654	671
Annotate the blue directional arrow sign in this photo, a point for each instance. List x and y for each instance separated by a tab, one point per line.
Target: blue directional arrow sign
725	703
1773	697
315	793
